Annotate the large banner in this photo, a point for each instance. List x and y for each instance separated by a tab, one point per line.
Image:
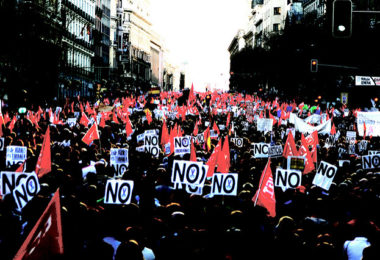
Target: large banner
303	127
372	123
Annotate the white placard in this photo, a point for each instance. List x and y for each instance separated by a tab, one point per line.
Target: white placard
238	142
260	150
15	155
224	184
372	122
264	125
26	190
351	137
288	179
192	173
10	180
371	161
118	192
181	145
325	175
119	160
2	143
71	122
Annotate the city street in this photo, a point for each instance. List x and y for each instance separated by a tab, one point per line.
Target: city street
140	130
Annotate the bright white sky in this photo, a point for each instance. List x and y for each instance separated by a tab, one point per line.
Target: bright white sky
199	32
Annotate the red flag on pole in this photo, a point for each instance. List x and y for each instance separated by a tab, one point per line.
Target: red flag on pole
21	167
224	157
265	196
304	151
164	133
44	159
128	127
91	135
333	130
45	239
290	146
84	120
365	130
211	163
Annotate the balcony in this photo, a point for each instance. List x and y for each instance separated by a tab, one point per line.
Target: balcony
78	11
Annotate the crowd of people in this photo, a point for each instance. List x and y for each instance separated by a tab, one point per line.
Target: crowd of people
162	222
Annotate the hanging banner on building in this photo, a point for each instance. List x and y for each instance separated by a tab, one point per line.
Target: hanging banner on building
260	150
372	122
238	142
181	145
288	179
118	192
371	161
224	184
15	155
119	160
26	190
186	172
264	125
325	175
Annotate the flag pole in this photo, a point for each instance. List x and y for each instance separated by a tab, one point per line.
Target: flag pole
261	183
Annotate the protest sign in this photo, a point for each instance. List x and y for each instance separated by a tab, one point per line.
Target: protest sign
119	160
371	161
71	122
296	163
151	143
118	192
238	142
26	190
224	184
325	175
181	145
288	179
372	122
260	150
15	155
2	143
193	173
351	137
10	180
275	151
264	125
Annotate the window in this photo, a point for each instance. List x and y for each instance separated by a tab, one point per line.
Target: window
277	10
276	27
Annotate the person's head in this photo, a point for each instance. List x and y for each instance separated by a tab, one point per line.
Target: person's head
129	250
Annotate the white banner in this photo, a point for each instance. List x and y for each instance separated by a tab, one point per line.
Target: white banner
372	122
264	125
288	179
325	175
303	127
224	184
118	192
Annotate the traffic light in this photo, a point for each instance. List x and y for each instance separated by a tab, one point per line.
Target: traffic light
342	19
314	65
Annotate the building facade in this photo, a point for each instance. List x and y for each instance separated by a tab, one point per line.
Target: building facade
78	26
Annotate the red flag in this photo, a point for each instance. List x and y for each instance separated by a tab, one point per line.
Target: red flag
228	120
44	159
333	130
304	151
224	157
265	196
114	118
84	120
215	128
195	131
312	140
21	167
191	94
148	116
207	138
91	135
290	146
193	156
45	239
102	122
128	127
164	133
1	124
211	163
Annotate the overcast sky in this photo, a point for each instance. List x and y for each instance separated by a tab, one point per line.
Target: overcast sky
199	32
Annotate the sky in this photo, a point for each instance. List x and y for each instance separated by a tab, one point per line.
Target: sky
198	33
